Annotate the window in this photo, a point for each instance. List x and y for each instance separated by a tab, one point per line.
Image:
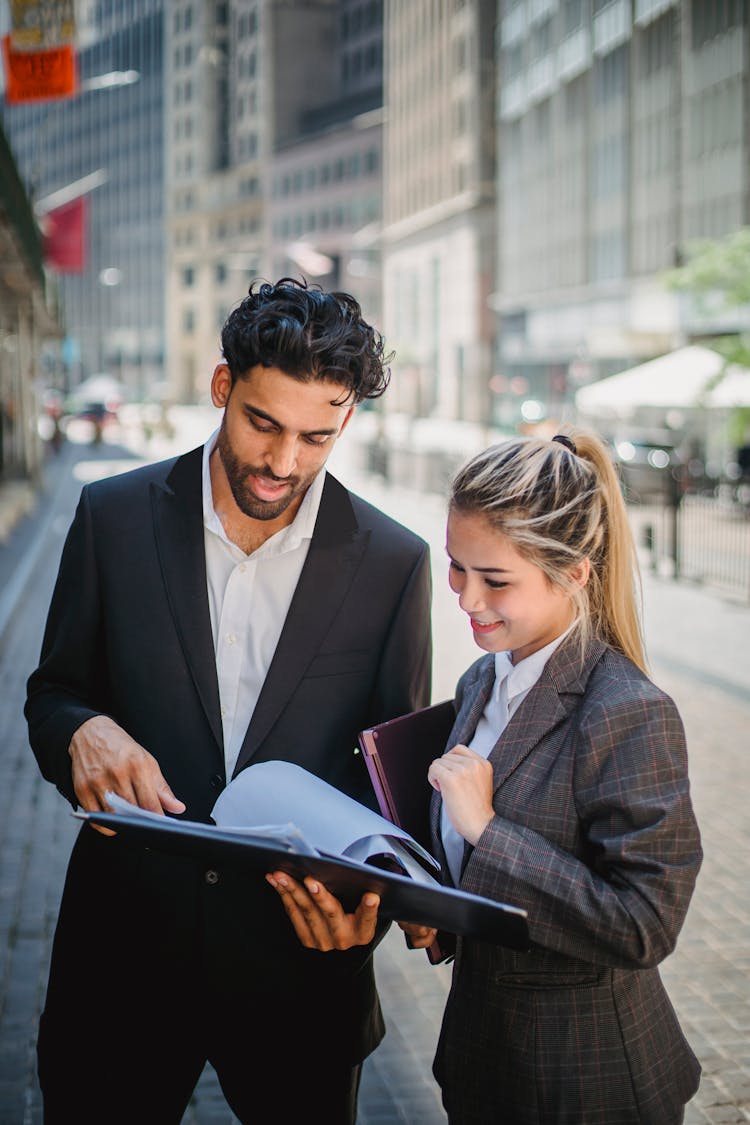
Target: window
655	49
611	75
715	18
512	61
541	38
188	276
572	15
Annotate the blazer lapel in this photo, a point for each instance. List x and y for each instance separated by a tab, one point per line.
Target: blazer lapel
472	705
333	558
178	529
551	700
474	702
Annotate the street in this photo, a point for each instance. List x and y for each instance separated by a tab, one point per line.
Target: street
699	645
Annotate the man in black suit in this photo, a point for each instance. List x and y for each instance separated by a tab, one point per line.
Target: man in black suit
232	605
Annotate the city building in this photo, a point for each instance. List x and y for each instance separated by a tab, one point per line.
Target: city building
438	241
28	320
273	160
623	130
215	141
110	134
325	199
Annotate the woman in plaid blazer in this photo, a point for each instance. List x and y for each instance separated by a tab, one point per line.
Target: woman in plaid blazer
564	791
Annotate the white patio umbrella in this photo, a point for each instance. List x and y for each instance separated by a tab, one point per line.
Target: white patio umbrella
677	380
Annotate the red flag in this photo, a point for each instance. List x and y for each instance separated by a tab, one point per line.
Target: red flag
39	75
65	237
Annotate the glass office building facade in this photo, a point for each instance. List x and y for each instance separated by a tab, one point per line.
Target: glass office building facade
113	309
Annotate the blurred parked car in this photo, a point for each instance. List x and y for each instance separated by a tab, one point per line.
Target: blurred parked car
650	471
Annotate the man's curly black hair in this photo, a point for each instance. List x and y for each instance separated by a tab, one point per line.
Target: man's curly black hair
309	334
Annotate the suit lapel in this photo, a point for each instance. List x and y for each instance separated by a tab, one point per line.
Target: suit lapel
472	705
178	528
474	702
551	700
333	558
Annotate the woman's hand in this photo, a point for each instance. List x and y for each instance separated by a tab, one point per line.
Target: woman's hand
464	781
418	937
319	919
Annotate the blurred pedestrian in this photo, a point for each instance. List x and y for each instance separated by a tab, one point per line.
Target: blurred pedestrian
565	791
232	605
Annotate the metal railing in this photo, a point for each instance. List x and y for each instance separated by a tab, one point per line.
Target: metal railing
700	538
713	543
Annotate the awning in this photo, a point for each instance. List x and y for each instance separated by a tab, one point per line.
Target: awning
678	380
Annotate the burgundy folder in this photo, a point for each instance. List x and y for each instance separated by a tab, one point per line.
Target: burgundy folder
398	754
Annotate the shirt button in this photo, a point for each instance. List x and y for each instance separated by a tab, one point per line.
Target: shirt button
212	877
242	568
231	639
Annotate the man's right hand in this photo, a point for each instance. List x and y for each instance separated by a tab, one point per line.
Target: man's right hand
104	756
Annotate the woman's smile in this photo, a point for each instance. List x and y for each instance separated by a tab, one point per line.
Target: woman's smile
484	627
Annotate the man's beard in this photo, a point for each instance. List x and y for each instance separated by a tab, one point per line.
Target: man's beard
237	473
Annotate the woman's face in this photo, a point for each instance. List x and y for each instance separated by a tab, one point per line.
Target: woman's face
511	604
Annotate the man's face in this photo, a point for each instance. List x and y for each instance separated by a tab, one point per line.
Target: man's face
275	436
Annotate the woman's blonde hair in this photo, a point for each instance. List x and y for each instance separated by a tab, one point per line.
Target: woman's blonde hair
559	502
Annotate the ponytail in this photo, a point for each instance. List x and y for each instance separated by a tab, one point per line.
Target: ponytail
615	599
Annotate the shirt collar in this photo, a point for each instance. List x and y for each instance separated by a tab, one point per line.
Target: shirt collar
289	537
525	674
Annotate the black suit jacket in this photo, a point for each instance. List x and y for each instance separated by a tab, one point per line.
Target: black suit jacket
129	635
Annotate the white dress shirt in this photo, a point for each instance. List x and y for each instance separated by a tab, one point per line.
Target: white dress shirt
248	598
513	682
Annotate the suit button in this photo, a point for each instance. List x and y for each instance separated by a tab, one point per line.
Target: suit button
211	877
217	781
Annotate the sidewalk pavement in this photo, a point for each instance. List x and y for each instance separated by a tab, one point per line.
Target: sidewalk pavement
700	651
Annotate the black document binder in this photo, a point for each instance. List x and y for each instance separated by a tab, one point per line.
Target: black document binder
401	898
398	754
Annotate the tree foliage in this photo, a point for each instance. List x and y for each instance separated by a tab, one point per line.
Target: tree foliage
717	276
717	270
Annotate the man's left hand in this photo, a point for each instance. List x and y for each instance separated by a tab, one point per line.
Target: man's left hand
318	917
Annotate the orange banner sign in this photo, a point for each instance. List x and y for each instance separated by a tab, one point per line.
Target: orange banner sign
39	75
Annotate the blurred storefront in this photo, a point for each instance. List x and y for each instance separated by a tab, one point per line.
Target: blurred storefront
29	318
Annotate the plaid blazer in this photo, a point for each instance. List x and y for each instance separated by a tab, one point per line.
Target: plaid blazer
595	836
